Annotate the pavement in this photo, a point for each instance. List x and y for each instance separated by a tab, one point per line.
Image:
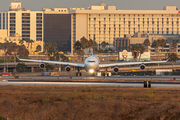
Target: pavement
133	78
122	81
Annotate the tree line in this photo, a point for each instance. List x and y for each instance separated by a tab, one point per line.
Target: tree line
159	43
53	54
30	41
138	50
81	45
12	48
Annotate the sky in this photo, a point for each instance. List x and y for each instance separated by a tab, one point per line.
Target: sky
120	4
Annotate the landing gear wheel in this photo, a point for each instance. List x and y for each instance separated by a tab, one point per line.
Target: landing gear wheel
78	74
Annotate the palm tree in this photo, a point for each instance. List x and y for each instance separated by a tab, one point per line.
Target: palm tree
31	41
77	46
175	46
90	45
12	49
28	41
173	57
22	51
38	48
21	42
146	43
163	43
54	46
103	44
154	45
47	46
80	52
1	45
135	51
141	51
84	43
158	44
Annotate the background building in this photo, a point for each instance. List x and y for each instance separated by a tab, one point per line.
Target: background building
64	27
57	28
121	44
3	20
108	23
26	23
16	38
127	41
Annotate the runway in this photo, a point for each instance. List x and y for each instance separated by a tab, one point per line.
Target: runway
90	83
128	81
166	78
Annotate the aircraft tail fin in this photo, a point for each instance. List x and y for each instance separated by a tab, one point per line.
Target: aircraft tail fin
93	44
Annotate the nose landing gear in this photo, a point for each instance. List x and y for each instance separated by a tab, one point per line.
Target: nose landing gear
78	73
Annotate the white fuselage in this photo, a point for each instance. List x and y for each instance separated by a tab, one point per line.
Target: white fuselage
92	63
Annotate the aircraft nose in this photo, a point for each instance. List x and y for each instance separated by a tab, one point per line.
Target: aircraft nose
90	66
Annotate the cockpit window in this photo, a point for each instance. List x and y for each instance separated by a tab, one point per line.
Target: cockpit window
91	61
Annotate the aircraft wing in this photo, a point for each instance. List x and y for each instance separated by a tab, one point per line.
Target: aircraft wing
53	62
108	56
129	63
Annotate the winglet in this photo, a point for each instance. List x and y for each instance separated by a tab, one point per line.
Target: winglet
17	57
168	59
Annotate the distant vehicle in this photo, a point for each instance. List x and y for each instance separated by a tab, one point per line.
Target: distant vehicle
5	74
121	61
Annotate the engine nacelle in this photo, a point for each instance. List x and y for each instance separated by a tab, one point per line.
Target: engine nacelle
142	67
68	68
42	65
116	69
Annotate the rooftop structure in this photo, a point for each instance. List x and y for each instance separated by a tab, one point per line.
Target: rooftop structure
15	5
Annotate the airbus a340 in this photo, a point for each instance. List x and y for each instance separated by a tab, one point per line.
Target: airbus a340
92	63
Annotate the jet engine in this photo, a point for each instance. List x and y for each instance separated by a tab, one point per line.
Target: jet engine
116	69
142	67
42	65
68	68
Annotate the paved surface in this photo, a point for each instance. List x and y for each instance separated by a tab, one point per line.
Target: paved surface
99	78
85	83
95	83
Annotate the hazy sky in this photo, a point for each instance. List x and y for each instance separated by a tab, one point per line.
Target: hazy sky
121	4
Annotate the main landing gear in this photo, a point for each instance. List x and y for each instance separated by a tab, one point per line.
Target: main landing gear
78	73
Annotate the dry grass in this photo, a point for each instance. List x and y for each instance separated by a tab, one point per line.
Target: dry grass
97	103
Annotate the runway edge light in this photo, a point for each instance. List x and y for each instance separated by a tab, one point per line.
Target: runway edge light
147	84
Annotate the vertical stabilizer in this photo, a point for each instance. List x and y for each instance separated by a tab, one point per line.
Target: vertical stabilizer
93	43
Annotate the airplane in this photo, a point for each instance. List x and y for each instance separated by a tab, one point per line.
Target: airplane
91	64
